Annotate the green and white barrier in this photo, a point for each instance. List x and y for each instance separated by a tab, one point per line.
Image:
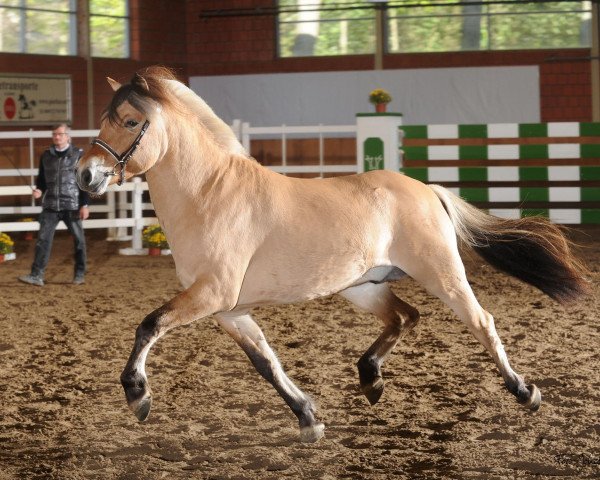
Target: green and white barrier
561	192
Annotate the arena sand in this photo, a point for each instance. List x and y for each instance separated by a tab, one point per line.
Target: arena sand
444	413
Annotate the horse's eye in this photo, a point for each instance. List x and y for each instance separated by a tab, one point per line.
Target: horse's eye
131	123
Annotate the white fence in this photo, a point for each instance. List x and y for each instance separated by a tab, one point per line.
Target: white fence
246	133
126	210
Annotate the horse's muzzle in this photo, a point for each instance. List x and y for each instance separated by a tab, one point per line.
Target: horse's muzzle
92	179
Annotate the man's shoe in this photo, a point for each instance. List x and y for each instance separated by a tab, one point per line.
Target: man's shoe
32	280
78	280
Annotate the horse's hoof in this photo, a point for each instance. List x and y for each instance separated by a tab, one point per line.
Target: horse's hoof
312	433
535	398
142	408
373	391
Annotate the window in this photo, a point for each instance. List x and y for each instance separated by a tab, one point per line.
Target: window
329	27
109	28
475	25
326	27
50	27
38	26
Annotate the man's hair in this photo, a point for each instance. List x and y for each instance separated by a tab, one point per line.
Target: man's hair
59	125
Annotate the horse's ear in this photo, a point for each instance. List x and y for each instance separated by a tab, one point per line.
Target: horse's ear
113	83
141	81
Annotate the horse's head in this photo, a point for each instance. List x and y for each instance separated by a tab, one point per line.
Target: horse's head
132	135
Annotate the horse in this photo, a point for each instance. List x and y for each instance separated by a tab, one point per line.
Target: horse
26	110
243	236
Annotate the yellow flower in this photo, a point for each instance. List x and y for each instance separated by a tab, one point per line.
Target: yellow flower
6	244
153	236
379	95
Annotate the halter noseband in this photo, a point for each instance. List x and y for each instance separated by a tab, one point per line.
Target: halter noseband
124	157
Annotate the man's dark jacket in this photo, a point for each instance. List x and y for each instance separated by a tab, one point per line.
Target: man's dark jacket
56	179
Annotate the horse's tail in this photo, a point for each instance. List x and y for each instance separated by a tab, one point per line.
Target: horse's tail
532	249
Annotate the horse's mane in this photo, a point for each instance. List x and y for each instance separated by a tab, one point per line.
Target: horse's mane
160	85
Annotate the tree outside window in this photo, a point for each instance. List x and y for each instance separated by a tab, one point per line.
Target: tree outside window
313	27
109	28
37	26
325	27
50	27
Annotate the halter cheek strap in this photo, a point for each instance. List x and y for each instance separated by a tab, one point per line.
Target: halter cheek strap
119	167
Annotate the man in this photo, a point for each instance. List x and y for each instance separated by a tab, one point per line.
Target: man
62	200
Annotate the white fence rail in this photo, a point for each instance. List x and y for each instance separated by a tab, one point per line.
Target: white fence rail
246	133
123	214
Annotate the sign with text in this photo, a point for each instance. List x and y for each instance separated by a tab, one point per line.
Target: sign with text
27	99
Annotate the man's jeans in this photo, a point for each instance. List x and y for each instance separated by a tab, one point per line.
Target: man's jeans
48	221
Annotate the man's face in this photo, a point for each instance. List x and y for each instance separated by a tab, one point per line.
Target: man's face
60	138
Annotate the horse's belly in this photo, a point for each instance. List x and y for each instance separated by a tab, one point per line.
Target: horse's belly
269	287
296	286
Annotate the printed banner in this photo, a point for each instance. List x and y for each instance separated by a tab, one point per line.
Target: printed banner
34	99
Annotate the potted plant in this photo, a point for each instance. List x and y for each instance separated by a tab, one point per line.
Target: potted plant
154	239
6	247
380	98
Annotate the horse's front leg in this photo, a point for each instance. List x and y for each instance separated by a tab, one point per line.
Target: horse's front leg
198	301
252	340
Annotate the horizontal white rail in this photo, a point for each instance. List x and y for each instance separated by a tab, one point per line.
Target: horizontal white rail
94	223
14	172
290	130
45	134
26	190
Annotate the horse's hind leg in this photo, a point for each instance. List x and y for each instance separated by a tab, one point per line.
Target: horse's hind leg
443	275
398	317
252	340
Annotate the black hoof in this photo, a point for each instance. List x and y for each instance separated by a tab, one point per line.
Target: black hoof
138	394
142	409
371	382
373	391
535	398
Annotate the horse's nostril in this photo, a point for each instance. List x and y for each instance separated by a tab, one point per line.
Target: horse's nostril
86	177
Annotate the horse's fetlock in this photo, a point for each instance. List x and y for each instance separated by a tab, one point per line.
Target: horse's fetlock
519	390
368	369
132	380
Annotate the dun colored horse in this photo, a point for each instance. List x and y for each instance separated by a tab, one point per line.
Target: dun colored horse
244	236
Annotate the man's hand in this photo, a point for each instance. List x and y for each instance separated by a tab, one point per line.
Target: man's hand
84	213
37	193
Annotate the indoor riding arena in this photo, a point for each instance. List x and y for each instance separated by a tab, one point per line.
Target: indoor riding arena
497	102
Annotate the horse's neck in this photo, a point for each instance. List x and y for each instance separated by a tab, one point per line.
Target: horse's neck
221	131
193	163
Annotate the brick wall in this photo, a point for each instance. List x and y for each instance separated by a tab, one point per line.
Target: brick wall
243	45
174	34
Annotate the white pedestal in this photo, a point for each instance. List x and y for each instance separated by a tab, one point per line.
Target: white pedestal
378	141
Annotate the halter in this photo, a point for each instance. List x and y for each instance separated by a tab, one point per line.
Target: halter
124	157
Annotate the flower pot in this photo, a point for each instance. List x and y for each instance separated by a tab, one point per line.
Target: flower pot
154	251
381	107
1	257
